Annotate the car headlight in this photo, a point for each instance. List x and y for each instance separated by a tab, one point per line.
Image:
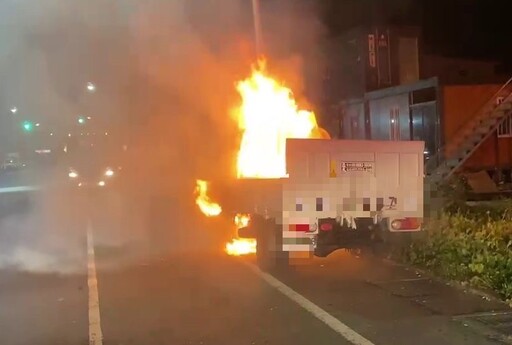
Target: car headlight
109	172
73	174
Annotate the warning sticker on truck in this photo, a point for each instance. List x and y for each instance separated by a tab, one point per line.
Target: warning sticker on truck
357	167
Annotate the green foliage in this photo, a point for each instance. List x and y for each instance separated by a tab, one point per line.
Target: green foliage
472	245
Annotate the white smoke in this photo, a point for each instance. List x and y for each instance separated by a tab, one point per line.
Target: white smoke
166	68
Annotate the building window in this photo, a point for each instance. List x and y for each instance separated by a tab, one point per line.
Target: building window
394	123
505	128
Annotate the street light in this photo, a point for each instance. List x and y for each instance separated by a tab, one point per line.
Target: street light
257	25
14	110
91	87
81	120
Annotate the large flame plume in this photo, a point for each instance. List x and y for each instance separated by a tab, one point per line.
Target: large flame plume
267	116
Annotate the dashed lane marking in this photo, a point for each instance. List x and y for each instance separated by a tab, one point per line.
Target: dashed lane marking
346	332
95	334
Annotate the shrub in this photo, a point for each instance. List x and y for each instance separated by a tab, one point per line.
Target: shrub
473	244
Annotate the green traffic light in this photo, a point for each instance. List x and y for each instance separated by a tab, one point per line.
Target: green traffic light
81	120
28	126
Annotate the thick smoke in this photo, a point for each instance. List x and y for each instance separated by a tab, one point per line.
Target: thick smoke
165	73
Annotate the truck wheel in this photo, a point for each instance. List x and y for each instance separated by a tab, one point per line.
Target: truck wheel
269	255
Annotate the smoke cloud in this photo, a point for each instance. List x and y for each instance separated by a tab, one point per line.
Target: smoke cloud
165	73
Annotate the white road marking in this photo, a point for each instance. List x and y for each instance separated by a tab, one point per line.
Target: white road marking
95	334
19	189
338	326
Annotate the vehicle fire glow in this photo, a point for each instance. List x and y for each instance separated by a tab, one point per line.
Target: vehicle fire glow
267	115
208	207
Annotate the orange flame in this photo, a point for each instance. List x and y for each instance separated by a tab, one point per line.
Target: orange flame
241	246
242	220
208	207
268	116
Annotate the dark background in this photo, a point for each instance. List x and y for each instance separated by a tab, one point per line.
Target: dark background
465	28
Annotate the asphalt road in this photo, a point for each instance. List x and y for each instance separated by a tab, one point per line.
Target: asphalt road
74	266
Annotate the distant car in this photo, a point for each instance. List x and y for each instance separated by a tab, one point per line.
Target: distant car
93	176
12	163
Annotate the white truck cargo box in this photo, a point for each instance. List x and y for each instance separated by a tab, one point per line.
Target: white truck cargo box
349	180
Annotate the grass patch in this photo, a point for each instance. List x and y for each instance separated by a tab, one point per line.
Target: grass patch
470	244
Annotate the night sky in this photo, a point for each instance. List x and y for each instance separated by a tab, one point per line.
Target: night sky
464	28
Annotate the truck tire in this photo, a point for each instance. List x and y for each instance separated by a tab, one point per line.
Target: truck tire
269	253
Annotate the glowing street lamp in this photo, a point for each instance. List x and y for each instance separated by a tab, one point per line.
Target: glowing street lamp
91	87
14	110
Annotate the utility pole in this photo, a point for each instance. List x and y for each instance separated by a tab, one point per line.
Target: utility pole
257	26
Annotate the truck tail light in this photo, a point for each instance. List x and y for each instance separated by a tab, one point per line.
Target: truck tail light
299	227
406	223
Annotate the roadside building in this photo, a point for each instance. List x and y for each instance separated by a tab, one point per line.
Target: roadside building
385	87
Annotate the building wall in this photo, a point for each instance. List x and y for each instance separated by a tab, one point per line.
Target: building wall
495	153
460	104
386	114
460	71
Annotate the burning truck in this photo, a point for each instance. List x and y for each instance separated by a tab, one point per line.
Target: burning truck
300	193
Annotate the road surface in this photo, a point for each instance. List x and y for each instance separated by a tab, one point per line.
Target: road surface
82	269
